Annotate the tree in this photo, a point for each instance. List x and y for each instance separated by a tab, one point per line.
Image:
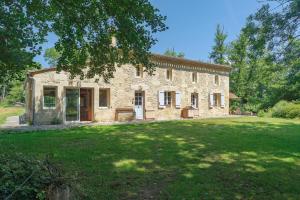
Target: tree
219	49
238	56
22	28
172	52
85	30
281	24
51	56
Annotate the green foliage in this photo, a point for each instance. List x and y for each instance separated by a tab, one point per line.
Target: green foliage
172	52
16	94
262	73
23	177
284	109
281	24
219	49
51	56
84	31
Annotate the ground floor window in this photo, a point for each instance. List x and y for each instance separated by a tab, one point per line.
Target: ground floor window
168	99
217	99
104	97
194	100
49	98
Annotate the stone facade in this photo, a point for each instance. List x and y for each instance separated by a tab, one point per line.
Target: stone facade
122	90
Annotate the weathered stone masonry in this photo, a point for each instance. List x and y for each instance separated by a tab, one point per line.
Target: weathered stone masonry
122	90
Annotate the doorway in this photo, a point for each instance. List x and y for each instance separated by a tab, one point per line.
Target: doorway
139	105
72	105
79	104
86	96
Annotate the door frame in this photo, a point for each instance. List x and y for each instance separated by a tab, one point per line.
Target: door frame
65	105
143	102
92	102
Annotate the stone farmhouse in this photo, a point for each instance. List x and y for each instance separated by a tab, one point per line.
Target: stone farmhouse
180	88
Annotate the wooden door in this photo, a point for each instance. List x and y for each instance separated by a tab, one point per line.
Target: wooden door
86	104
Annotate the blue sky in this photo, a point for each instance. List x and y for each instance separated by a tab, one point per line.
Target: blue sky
192	25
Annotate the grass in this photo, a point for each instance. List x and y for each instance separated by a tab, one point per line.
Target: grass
236	158
9	111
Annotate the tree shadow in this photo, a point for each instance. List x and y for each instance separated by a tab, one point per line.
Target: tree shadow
179	159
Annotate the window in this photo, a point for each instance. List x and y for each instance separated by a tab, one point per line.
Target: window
217	81
194	100
194	77
139	71
217	99
168	99
49	97
104	98
169	74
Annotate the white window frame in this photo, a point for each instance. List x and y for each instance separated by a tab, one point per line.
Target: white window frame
177	99
52	107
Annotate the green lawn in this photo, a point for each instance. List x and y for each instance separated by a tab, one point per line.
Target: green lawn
9	111
237	158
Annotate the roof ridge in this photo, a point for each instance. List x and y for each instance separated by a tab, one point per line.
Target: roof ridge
159	57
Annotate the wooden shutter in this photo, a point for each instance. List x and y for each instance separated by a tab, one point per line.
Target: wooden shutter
161	99
222	100
211	100
178	99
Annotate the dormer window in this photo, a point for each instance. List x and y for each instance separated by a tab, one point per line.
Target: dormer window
217	81
194	77
169	74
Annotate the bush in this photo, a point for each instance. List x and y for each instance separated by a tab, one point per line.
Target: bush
56	121
16	94
284	109
26	178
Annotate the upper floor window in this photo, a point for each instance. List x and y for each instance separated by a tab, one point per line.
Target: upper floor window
217	80
104	97
194	77
194	100
139	71
169	74
49	99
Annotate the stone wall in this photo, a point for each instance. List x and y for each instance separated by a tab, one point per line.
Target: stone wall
123	87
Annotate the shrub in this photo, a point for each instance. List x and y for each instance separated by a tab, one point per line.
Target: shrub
261	113
284	109
22	177
56	121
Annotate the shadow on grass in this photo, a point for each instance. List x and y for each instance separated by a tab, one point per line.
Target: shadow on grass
206	159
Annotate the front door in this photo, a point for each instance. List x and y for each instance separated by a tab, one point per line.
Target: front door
85	104
138	105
